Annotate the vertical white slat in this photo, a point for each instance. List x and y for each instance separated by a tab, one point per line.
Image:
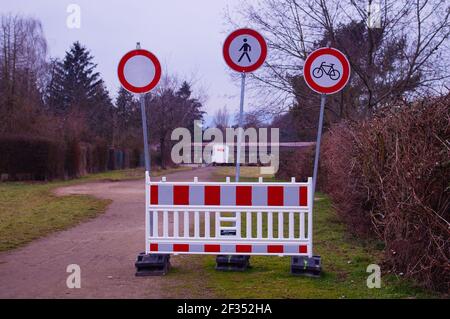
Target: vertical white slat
176	225
186	224
310	216
165	224
302	225
238	225
291	225
217	222
147	213
207	225
248	232
280	225
270	225
196	225
155	223
258	225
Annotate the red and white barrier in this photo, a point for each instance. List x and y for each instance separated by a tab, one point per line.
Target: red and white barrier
198	217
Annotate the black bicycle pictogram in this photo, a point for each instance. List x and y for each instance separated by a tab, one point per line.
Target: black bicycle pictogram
327	69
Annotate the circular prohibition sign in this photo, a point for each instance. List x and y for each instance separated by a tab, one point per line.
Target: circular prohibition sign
326	70
139	71
244	50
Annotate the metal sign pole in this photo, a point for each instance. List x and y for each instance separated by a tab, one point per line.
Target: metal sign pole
144	129
319	138
148	216
241	115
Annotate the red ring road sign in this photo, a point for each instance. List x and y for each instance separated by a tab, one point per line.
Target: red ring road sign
245	50
326	70
139	71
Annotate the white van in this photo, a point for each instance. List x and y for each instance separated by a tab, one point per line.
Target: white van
220	154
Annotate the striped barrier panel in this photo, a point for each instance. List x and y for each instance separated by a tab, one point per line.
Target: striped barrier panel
229	218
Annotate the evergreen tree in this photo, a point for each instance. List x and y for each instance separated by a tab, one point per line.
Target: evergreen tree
191	106
126	107
76	88
171	107
127	125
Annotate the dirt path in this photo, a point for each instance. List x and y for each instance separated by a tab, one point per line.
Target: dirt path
105	248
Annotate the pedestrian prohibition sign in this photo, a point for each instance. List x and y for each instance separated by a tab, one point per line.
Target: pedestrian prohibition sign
245	50
326	70
139	71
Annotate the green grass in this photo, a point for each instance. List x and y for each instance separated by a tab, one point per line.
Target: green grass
30	210
344	263
247	172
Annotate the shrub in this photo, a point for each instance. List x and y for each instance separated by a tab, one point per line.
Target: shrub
389	176
24	157
296	163
73	159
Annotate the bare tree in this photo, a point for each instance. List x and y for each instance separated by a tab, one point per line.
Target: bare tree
251	118
402	54
23	51
221	118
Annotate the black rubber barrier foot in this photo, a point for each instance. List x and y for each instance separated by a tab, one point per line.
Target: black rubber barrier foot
152	264
306	266
232	262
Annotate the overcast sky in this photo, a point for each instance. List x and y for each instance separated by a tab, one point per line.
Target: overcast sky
186	35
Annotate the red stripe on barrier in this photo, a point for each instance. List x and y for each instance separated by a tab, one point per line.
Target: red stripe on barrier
212	195
243	248
154	194
275	196
275	248
181	247
243	195
181	195
303	196
153	247
303	249
212	248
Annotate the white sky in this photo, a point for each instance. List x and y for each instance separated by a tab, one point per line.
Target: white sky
186	36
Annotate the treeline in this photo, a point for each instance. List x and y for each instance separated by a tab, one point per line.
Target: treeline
58	119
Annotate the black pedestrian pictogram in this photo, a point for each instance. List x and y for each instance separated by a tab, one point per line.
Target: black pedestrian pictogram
328	69
247	48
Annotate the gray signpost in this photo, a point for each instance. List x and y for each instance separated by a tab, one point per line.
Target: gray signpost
326	71
145	132
323	98
139	71
244	50
240	128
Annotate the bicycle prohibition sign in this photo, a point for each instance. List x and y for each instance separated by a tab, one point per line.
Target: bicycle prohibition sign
326	70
